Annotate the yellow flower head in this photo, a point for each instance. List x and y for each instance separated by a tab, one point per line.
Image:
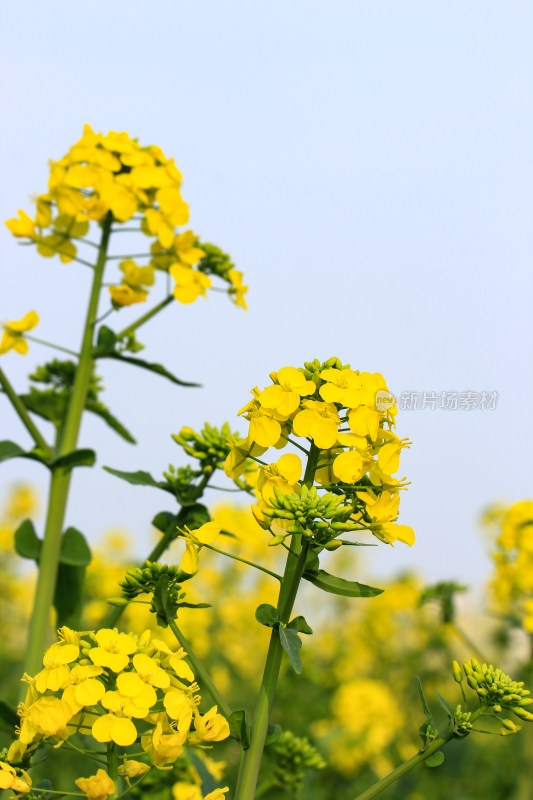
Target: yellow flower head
12	337
96	787
113	649
345	415
9	779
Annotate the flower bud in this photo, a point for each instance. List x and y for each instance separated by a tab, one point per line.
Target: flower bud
333	545
456	672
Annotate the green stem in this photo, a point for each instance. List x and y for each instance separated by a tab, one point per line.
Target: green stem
145	317
408	765
243	561
112	767
294	567
199	670
27	421
49	344
60	480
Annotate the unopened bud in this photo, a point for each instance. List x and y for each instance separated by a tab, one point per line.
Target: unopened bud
333	545
457	672
522	713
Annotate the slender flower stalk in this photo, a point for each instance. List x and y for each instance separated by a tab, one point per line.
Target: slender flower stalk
145	317
25	418
408	765
199	670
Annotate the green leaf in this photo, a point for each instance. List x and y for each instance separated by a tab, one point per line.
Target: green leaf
427	712
193	516
105	341
300	625
139	478
95	407
47	404
8	717
194	605
273	733
10	450
444	703
163	520
435	759
330	583
239	727
74	549
159	369
163	605
68	597
291	643
267	615
27	543
312	563
76	458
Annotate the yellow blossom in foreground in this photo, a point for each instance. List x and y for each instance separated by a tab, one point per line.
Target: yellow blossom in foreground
132	769
189	791
10	780
110	728
96	787
164	742
24	226
47	716
320	421
238	290
190	283
209	727
12	337
186	791
113	649
284	396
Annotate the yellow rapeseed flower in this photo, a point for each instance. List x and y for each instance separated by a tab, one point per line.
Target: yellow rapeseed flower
12	337
96	787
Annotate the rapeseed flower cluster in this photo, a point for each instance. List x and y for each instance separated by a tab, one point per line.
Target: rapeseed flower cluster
112	174
348	417
116	687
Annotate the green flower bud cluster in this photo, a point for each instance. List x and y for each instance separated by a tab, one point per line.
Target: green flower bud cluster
143	580
312	367
210	446
310	512
496	689
461	720
182	481
293	755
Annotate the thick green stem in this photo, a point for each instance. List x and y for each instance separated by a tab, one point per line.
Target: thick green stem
26	420
199	670
408	765
60	480
112	767
294	567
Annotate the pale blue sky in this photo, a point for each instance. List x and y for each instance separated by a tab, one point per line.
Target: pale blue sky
367	165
